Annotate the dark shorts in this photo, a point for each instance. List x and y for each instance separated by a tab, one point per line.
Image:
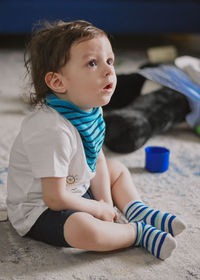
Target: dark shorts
49	227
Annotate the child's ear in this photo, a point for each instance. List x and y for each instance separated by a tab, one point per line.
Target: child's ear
54	82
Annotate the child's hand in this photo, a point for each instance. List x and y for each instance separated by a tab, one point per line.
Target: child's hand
106	212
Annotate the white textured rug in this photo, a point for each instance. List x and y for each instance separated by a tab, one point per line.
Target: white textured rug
177	191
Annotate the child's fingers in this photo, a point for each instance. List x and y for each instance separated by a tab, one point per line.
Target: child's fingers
116	216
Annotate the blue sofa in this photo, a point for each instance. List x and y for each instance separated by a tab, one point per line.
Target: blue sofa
115	16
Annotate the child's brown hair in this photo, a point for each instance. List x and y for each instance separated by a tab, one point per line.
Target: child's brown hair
49	50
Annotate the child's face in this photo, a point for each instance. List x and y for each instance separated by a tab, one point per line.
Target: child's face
89	77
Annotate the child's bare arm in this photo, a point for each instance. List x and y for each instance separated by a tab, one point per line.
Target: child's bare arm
57	197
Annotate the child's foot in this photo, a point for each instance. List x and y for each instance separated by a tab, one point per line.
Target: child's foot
158	243
137	211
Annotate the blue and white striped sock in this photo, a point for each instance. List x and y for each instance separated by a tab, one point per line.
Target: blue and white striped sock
137	211
158	243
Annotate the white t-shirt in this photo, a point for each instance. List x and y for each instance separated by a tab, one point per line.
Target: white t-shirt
48	145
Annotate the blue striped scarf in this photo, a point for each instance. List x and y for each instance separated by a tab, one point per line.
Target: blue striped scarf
90	126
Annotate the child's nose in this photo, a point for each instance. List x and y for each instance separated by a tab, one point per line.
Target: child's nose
108	69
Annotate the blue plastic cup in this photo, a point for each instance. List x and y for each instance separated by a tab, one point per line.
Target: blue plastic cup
156	159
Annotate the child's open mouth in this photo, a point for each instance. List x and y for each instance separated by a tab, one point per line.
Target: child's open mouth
108	87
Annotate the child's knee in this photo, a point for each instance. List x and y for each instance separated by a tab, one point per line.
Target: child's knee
116	169
80	230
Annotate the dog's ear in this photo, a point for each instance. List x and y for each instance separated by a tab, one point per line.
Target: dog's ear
128	88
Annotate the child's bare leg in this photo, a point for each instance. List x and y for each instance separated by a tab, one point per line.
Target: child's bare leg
84	231
122	187
127	199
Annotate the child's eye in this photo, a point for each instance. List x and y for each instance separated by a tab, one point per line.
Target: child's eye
110	61
92	63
